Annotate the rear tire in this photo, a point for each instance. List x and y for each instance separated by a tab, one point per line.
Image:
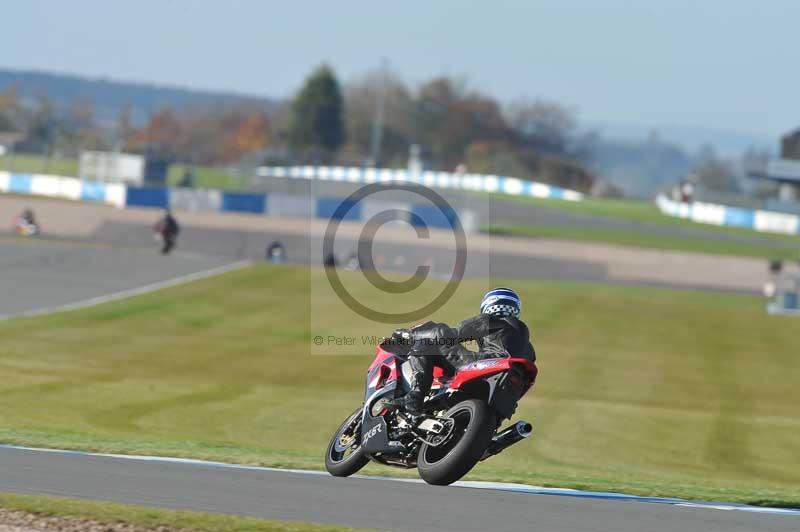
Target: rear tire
449	462
342	460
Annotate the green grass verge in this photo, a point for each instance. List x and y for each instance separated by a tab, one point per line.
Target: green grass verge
204	176
109	512
621	209
36	164
632	210
641	390
779	247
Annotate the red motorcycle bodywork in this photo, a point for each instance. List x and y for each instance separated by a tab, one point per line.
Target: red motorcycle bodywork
501	382
387	373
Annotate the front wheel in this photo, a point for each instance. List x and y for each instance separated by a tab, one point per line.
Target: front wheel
474	425
345	456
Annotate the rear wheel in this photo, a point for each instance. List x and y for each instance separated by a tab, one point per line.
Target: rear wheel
345	456
474	426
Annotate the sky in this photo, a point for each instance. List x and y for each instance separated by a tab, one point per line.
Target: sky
717	64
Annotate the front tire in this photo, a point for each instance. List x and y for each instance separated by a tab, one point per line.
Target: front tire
474	428
345	456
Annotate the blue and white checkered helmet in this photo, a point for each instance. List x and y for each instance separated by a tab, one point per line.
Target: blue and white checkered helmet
501	302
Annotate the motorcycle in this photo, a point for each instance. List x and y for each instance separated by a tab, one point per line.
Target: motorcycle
461	425
23	227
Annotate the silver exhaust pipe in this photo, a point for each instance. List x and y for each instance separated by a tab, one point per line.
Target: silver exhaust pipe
508	437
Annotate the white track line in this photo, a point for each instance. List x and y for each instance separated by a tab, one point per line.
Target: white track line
497	486
115	296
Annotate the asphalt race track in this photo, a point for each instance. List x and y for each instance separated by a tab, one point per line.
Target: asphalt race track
495	257
39	275
233	237
359	502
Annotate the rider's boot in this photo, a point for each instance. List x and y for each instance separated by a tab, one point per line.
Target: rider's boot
412	403
420	385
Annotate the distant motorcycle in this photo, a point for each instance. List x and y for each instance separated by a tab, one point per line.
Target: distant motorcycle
461	427
24	227
166	232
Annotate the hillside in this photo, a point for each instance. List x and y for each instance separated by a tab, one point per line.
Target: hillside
109	96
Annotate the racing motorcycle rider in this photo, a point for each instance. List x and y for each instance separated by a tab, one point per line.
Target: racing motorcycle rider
497	329
167	228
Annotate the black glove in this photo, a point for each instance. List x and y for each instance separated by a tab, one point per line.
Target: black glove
403	337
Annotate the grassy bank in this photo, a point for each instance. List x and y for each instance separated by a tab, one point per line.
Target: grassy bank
204	176
769	247
646	391
106	512
36	164
621	209
627	209
772	246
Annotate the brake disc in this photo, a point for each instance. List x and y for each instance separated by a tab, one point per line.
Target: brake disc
441	436
346	440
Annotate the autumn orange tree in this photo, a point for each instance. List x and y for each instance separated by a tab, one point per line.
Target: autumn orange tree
247	131
10	110
208	136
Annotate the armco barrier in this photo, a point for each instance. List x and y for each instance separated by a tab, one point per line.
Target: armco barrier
710	213
432	216
20	183
93	192
242	202
189	199
330	208
148	197
397	210
472	182
55	186
280	204
274	204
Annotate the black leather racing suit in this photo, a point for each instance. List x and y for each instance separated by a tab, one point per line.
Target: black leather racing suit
436	343
168	228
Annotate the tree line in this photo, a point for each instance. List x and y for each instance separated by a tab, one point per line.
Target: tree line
453	125
327	122
213	135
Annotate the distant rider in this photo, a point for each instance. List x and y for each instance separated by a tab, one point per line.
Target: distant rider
167	228
497	329
25	223
28	217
